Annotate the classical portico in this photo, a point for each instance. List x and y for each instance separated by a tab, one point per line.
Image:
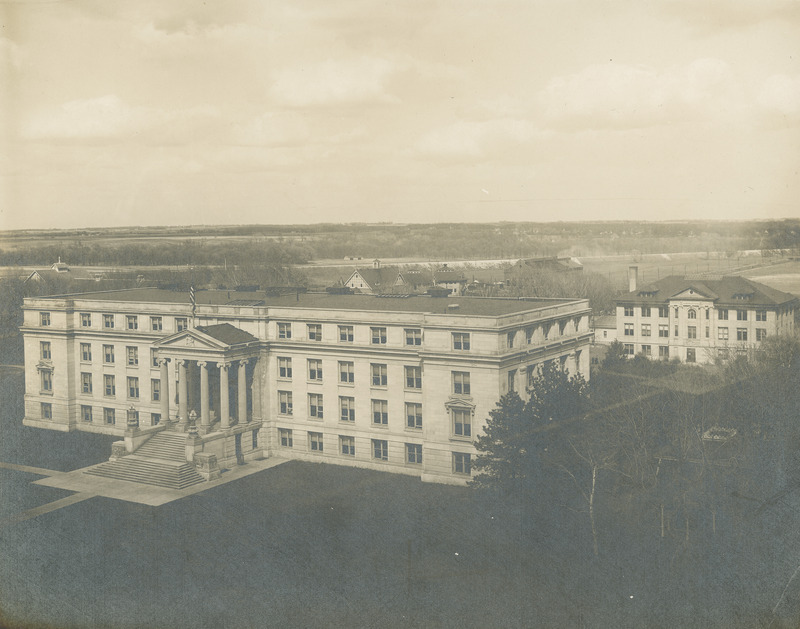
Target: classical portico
214	368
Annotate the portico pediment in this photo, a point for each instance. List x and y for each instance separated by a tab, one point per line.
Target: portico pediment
214	341
191	339
694	292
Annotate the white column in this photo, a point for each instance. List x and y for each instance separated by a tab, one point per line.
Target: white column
205	415
183	392
163	364
224	411
242	392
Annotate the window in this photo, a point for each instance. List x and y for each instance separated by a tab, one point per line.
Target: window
347	445
133	387
380	449
155	389
155	419
315	369
86	382
413	336
628	329
255	440
86	413
663	351
663	312
44	318
663	330
315	441
722	314
413	377
378	336
676	312
645	329
86	352
153	357
47	410
461	382
44	350
380	412
285	436
156	324
108	354
108	321
379	376
109	416
315	405
691	332
347	409
761	315
346	372
512	379
109	387
132	322
414	415
676	330
285	401
761	334
346	333
414	453
692	314
628	311
647	350
461	341
314	332
86	320
284	330
462	422
741	315
462	463
47	380
181	323
510	338
132	354
723	353
708	332
690	355
627	349
284	367
722	334
646	311
741	334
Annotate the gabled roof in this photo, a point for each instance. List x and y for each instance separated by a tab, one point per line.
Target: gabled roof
448	275
381	277
226	333
722	290
414	277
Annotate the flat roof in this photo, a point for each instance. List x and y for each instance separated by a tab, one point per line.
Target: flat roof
487	306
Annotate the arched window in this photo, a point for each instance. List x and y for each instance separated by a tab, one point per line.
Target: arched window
692	314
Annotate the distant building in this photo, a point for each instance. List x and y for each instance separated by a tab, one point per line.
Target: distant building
414	281
378	279
452	280
400	384
525	267
60	270
605	329
697	319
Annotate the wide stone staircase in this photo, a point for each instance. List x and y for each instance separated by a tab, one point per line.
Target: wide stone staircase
161	461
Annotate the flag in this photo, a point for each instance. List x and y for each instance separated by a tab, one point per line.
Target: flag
192	299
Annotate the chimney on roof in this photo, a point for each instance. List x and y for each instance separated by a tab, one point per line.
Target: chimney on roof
376	264
633	276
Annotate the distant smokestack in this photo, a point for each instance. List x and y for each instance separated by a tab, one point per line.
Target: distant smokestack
633	276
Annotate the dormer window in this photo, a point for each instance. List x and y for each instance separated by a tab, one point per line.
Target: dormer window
742	296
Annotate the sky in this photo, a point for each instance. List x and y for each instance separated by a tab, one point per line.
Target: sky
245	111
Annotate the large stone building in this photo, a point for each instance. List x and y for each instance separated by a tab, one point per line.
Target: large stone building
697	320
402	384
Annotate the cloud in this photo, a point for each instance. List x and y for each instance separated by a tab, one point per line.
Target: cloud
781	94
617	95
359	80
109	118
475	138
272	129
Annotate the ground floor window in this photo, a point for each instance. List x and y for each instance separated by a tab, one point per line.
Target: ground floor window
109	416
86	413
155	418
628	349
663	351
255	439
462	463
691	355
285	436
347	445
380	449
315	441
414	453
647	350
47	410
